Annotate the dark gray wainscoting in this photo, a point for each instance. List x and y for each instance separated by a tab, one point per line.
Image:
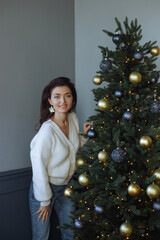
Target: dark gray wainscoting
14	208
15	221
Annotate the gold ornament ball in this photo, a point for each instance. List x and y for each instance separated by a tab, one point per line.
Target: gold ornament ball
126	229
135	77
156	173
157	137
134	189
80	162
97	80
76	238
155	50
153	191
83	180
103	156
68	191
103	104
145	141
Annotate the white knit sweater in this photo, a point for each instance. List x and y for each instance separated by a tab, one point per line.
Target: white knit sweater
53	156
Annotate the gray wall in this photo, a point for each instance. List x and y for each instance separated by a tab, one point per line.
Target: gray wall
91	16
36	45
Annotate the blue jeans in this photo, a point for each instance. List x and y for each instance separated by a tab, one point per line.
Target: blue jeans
63	207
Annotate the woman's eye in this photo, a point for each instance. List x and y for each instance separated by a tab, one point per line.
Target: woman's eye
68	96
56	97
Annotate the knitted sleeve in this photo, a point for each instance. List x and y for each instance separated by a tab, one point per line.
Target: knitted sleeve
41	150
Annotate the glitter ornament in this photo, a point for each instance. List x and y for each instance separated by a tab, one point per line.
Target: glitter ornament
105	65
118	155
155	106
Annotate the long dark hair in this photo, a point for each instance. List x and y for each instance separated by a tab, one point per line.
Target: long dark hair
45	105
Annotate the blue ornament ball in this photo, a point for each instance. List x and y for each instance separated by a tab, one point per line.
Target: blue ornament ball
155	107
118	155
105	65
79	224
91	133
154	79
99	209
128	115
138	56
117	38
118	93
156	206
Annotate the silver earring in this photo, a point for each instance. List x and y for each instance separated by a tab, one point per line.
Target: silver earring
51	109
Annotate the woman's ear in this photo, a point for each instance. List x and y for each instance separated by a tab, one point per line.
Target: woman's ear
49	100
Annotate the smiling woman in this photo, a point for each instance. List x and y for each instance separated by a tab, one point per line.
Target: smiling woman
53	155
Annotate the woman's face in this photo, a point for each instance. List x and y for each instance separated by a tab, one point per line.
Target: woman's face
61	99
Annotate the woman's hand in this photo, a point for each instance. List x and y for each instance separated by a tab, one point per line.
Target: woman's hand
43	213
87	126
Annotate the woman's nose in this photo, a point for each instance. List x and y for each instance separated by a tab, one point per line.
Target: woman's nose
62	99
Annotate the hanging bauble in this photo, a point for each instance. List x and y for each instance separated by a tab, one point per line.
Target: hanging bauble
156	206
103	156
155	106
155	51
135	77
134	189
156	173
99	209
126	229
145	141
97	79
103	104
118	155
76	238
118	93
83	180
105	65
80	162
91	133
117	38
138	56
128	115
79	224
68	191
154	79
153	191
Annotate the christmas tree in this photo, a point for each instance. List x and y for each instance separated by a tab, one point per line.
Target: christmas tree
116	184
